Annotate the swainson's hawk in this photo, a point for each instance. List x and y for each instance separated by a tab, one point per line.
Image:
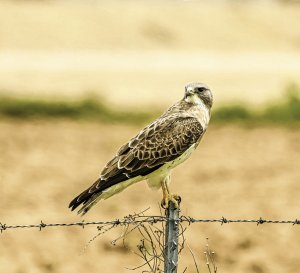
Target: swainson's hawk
158	148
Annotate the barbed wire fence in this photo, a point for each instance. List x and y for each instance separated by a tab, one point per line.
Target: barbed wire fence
162	236
136	218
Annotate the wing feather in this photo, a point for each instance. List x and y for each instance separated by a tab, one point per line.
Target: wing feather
162	141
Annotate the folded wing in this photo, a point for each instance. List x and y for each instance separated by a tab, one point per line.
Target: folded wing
162	141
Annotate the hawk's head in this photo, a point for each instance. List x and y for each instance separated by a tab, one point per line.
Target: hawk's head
198	92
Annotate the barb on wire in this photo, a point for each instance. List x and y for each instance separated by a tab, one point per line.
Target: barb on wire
153	219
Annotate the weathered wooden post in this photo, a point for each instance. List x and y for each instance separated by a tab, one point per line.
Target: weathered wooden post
171	239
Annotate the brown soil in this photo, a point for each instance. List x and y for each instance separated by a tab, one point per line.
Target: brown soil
236	173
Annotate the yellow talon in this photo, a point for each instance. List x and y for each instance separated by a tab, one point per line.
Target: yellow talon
168	197
174	198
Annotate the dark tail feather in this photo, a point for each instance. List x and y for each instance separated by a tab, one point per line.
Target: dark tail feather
86	199
86	195
78	200
90	196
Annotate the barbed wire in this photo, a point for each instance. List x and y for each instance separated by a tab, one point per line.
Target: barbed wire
156	247
137	219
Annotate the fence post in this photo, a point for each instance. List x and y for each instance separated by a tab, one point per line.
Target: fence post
171	239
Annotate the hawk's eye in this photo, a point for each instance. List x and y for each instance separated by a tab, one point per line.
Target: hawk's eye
200	89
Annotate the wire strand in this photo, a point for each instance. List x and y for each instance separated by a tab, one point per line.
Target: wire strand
136	219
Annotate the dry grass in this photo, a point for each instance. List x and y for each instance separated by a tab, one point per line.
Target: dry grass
236	173
138	52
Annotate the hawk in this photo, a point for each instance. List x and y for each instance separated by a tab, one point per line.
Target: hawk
155	150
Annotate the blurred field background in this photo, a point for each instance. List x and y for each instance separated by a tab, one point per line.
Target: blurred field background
79	78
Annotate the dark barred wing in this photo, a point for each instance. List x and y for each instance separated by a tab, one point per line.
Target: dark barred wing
162	141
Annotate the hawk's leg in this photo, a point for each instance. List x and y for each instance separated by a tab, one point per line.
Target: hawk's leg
167	196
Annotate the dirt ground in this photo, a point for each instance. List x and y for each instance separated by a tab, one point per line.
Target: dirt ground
236	173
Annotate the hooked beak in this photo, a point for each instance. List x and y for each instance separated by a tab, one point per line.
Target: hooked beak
188	92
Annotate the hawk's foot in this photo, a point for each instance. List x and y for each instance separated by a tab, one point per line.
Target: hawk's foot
174	198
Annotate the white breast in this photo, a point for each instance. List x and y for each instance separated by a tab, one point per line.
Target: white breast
155	179
199	110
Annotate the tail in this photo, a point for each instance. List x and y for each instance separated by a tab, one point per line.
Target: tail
93	194
103	189
87	199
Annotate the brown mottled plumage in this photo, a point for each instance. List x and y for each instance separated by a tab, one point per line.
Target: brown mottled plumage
157	149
